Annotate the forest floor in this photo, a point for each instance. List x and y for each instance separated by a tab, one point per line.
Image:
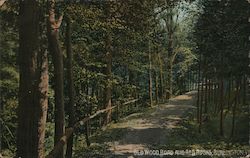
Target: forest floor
169	126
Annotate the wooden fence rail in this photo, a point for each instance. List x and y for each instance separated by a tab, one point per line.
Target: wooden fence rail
69	131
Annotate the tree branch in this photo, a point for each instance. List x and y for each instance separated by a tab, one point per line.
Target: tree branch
54	23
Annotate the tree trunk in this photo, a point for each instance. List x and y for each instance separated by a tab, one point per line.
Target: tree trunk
170	30
201	104
244	90
70	86
108	58
206	96
236	101
57	57
156	88
214	95
1	127
229	93
192	81
108	89
161	79
42	100
198	94
150	84
221	106
108	93
33	88
87	132
133	82
170	81
198	105
209	92
189	80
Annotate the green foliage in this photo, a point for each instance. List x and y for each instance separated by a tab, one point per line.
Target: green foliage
49	136
9	79
220	37
136	28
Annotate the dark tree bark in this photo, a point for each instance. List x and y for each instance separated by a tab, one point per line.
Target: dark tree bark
150	82
156	88
70	85
221	106
201	104
206	95
161	78
229	92
209	91
244	88
108	59
189	80
236	101
108	89
133	81
221	97
1	127
198	105
57	57
214	87
198	94
87	133
33	88
217	98
169	75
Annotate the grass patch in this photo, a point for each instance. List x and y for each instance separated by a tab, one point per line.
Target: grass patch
188	137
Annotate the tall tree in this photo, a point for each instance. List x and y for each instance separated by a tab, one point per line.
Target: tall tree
150	78
223	44
108	57
70	84
57	57
33	88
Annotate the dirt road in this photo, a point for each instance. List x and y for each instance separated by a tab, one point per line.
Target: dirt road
144	131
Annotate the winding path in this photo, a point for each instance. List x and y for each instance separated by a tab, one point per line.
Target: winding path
142	131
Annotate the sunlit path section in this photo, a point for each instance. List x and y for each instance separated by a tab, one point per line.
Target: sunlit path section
141	131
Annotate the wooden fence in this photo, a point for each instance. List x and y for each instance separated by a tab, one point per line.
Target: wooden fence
119	111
